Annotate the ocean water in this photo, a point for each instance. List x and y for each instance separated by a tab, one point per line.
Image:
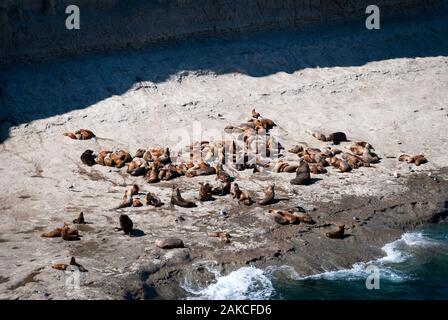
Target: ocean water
413	267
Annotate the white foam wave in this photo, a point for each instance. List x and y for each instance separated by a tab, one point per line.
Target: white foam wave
255	284
245	283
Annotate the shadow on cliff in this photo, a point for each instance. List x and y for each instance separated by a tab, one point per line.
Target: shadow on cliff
42	90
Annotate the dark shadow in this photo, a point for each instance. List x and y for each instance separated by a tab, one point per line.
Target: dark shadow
41	90
137	233
313	181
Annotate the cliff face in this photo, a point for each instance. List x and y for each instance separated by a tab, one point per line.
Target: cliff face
35	29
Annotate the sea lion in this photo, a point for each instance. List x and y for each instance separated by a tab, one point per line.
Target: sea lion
255	114
221	174
284	217
337	137
176	199
223	189
103	158
153	200
354	161
340	164
369	157
236	191
202	169
74	263
126	224
317	168
136	202
170	243
81	134
269	195
140	171
205	192
245	199
88	158
223	236
59	266
55	233
302	174
153	176
305	217
69	234
317	134
80	219
139	153
120	158
280	219
338	234
296	149
165	157
417	160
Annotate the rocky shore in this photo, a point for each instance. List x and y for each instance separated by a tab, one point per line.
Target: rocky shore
388	89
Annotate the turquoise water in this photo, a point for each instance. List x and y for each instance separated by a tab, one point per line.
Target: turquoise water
413	267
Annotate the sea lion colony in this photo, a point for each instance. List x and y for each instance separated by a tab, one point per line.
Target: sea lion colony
258	151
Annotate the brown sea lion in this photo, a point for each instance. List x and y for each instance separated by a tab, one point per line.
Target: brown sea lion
103	158
223	236
170	243
55	233
153	176
354	161
338	234
205	192
69	234
269	195
296	149
245	199
71	135
136	202
302	174
120	158
236	191
369	157
139	153
165	157
81	134
153	200
221	174
255	114
88	158
305	217
317	134
176	199
284	217
417	160
59	266
80	219
126	224
223	189
317	168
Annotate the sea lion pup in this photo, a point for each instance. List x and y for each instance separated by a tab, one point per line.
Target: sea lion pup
223	236
317	134
88	158
55	233
205	192
223	189
338	234
153	200
69	234
302	174
317	168
80	219
359	147
269	195
176	199
126	224
103	158
221	174
418	159
337	137
170	243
